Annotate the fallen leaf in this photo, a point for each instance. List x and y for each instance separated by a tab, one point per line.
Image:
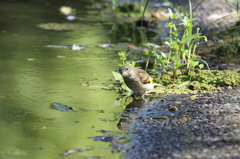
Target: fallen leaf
74	151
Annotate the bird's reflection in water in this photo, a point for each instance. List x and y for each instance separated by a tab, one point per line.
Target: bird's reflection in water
136	105
131	112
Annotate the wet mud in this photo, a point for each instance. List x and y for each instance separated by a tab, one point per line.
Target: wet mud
203	126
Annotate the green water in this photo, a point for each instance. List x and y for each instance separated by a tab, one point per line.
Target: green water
33	76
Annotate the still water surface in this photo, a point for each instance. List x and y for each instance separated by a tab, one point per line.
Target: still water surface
33	76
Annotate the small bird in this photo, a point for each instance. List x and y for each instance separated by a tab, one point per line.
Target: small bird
136	79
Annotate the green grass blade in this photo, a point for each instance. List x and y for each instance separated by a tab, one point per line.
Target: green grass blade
145	7
198	5
216	21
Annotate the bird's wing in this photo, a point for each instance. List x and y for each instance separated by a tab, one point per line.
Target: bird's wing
144	76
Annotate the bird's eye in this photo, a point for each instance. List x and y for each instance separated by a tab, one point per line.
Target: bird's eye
127	68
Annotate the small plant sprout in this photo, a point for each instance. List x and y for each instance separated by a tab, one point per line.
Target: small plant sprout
123	57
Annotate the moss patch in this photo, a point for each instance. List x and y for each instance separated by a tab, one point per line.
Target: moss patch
199	81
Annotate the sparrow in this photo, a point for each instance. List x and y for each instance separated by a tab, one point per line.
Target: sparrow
137	80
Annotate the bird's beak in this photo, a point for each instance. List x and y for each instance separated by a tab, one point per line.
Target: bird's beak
124	73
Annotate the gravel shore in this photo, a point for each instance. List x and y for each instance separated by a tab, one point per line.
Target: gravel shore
207	126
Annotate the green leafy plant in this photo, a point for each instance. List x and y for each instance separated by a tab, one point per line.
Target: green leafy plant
120	80
181	57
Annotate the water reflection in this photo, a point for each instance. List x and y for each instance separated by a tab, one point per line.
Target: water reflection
127	32
32	77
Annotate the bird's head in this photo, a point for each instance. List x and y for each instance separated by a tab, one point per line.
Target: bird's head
125	70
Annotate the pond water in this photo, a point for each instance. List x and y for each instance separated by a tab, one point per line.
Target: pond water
32	76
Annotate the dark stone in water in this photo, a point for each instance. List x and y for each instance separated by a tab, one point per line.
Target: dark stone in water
61	107
106	138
